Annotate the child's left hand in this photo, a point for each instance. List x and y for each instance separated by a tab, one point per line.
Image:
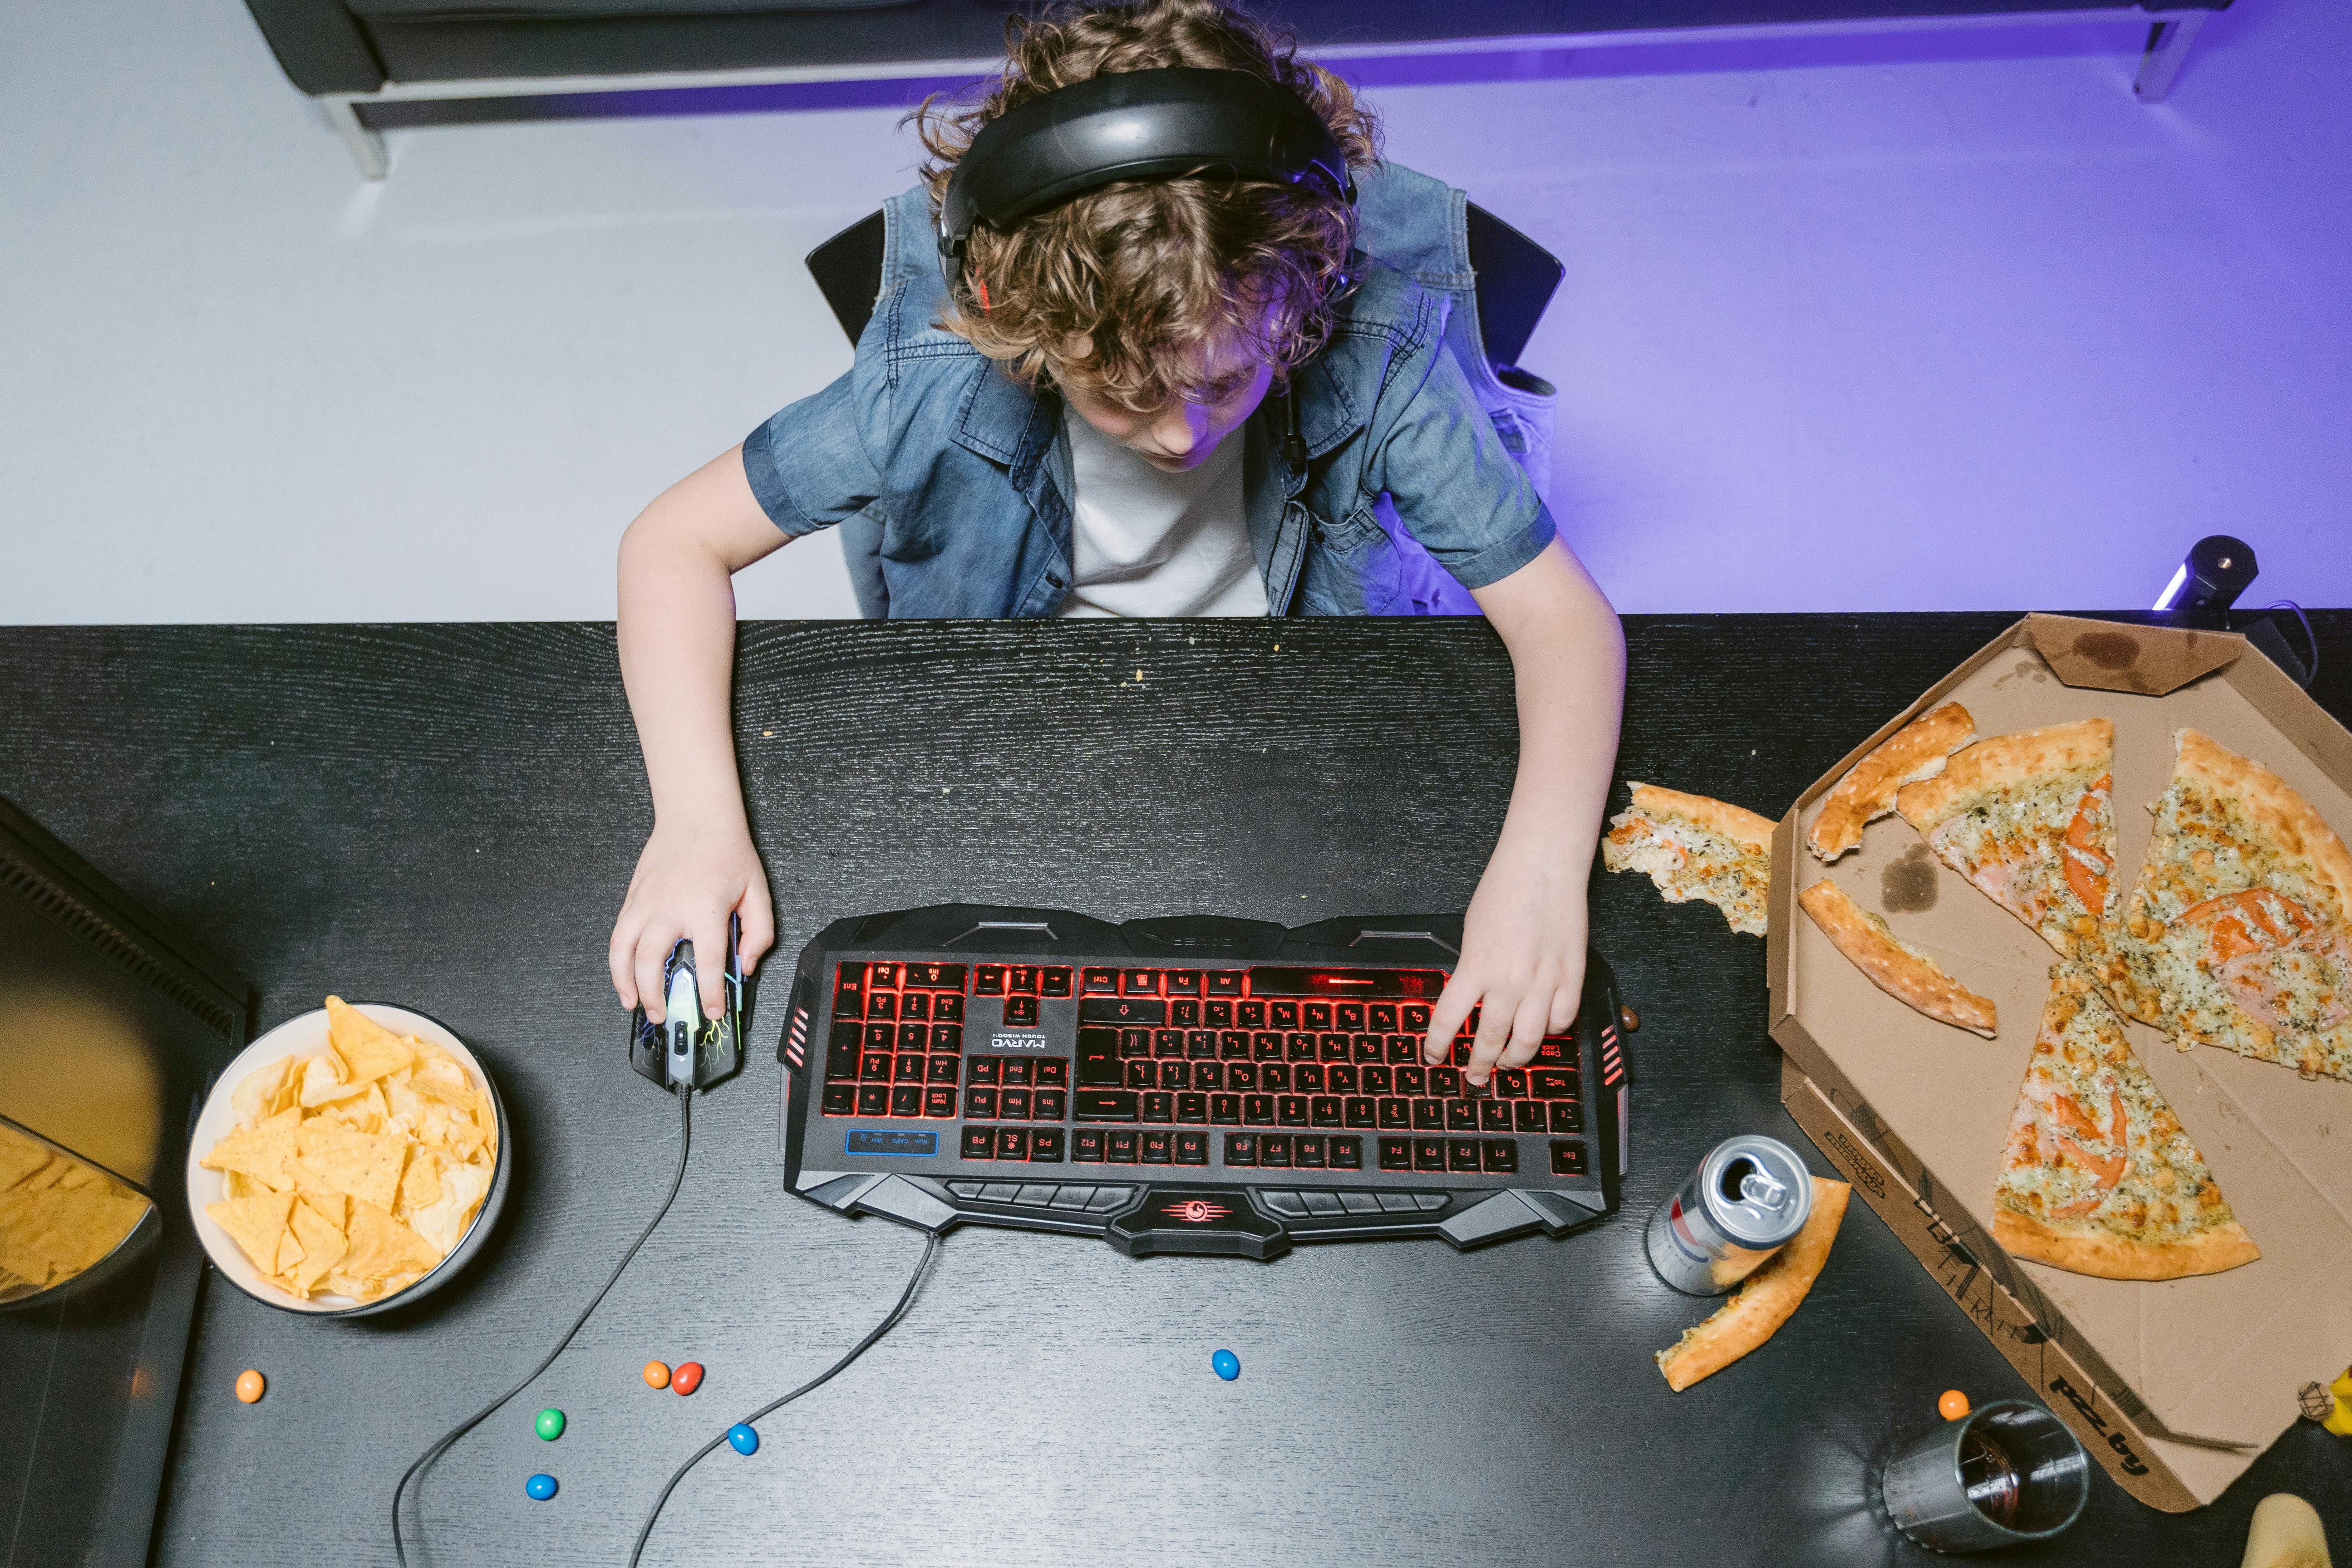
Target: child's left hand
1523	945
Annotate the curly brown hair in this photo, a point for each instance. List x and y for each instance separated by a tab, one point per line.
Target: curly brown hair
1126	291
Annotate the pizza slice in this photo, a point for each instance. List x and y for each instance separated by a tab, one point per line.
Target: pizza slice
1911	755
2026	816
1895	967
2098	1177
2236	932
1694	848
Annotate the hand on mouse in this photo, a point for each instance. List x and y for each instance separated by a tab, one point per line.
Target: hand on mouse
1522	964
689	879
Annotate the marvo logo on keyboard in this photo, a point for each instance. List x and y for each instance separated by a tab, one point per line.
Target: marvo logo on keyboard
1195	1211
1016	1043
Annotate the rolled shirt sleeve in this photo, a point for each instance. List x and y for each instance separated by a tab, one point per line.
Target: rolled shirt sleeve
808	465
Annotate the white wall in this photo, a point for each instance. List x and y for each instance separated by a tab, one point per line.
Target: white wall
1939	324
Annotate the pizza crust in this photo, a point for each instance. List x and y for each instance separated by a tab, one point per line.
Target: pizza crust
2004	761
1912	754
1734	822
1766	1300
2088	1249
1909	977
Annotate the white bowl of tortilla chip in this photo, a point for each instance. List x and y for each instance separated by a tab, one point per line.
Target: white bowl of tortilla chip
361	1148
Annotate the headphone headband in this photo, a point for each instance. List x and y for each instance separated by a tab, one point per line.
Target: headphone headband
1135	125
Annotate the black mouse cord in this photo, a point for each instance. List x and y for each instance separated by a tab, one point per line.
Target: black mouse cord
685	1142
906	1299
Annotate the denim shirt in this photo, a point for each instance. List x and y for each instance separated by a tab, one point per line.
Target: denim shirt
963	476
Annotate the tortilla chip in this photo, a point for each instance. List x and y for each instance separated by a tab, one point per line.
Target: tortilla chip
368	1050
365	1164
260	1151
421	1186
1764	1301
322	1244
257	1224
51	1235
20	1156
381	1244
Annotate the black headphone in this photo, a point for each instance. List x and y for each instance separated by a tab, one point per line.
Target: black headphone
1135	126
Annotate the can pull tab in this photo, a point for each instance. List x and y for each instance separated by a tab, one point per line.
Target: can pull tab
1759	1188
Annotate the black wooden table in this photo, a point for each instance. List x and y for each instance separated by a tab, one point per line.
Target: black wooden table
446	817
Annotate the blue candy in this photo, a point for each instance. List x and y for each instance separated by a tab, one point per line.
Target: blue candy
742	1439
540	1488
1226	1364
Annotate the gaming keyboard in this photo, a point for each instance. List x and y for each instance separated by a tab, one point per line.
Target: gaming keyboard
1191	1084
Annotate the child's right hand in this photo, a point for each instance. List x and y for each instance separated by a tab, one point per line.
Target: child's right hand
688	880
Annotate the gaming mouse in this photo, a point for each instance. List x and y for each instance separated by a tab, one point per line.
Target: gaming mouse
678	1049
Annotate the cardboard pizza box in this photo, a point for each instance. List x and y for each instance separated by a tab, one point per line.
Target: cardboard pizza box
2175	1385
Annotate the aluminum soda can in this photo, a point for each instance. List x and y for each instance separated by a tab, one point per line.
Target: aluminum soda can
1747	1199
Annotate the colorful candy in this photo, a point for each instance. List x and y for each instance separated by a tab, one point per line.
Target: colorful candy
742	1439
1953	1405
656	1374
687	1378
249	1386
1226	1364
540	1488
550	1424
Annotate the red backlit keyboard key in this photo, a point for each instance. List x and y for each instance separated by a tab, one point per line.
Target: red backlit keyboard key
1429	1153
1086	1145
1527	1116
1225	982
915	1005
979	1143
1347	1153
1159	1148
1049	1104
1158	1106
1183	983
1191	1148
1460	1116
1013	1104
1045	1146
1192	1108
1257	1109
907	1099
882	1006
1549	1083
1416	1019
1567	1116
1054	1072
1396	1154
1429	1115
1325	1109
1021	979
840	1099
1396	1114
939	1100
1122	1145
978	1102
1274	1149
1306	1153
1019	1069
1013	1144
1493	1116
1139	981
1249	1015
1105	1105
1567	1159
1054	982
1241	1148
1362	1111
985	1069
1225	1108
1502	1156
943	1070
1096	981
880	975
947	1037
1020	1012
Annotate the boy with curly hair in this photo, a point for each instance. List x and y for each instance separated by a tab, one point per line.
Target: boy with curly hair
1192	396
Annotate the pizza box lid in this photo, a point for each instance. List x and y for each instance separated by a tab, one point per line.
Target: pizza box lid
2215	1361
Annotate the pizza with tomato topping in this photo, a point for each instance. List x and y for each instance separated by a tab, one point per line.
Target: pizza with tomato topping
2236	932
2026	816
2098	1176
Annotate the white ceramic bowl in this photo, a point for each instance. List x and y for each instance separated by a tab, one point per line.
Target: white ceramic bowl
306	1036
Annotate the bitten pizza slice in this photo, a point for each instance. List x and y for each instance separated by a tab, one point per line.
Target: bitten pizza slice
1900	970
2026	816
2235	934
2098	1177
1911	755
1694	848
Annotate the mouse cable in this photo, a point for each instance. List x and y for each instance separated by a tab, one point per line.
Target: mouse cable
685	1142
906	1299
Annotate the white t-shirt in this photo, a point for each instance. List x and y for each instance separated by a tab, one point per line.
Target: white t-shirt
1149	543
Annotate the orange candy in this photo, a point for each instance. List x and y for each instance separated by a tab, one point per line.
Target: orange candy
1953	1405
249	1386
656	1374
687	1377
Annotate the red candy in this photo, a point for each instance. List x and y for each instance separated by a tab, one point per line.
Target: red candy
687	1377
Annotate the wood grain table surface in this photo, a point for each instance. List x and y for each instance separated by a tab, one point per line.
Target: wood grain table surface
446	817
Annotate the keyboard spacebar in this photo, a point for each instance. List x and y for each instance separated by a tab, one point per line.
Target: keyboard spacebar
1105	1105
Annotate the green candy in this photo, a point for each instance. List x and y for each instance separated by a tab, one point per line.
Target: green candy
550	1425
